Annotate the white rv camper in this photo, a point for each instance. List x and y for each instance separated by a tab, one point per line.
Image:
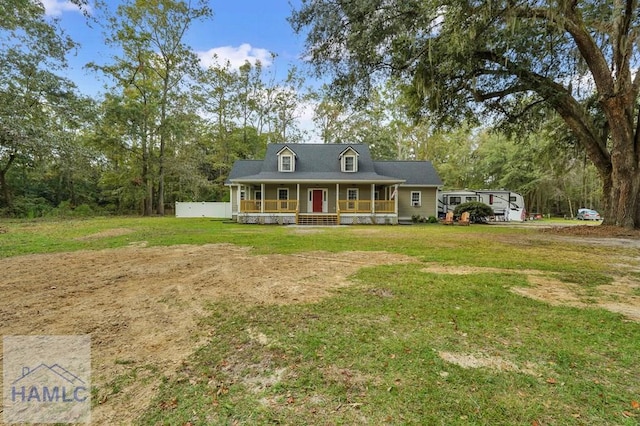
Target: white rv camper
506	205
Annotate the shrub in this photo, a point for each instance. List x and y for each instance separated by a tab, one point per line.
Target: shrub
28	207
477	211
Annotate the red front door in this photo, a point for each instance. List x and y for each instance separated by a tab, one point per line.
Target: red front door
316	197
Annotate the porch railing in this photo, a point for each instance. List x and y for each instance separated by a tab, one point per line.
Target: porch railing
364	206
270	206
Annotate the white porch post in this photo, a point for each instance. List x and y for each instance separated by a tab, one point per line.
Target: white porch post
262	198
373	198
337	197
396	198
298	197
238	199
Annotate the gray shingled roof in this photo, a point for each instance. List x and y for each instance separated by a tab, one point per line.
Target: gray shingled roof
413	172
320	162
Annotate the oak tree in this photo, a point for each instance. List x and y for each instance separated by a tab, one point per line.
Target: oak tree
504	58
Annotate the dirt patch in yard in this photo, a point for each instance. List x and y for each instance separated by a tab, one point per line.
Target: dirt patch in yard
115	232
141	305
492	362
621	296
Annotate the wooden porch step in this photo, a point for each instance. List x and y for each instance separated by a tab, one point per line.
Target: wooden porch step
318	219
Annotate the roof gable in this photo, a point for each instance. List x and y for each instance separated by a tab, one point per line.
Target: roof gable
286	149
349	150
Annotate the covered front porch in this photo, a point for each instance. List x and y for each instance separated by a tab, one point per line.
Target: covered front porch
315	203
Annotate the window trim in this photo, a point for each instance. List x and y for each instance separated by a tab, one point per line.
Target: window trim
283	203
419	201
281	164
354	164
283	189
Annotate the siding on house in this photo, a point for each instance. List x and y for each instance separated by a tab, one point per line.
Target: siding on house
429	206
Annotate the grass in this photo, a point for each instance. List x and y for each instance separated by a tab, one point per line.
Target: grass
372	356
374	353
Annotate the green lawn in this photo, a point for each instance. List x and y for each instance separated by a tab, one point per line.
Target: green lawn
402	344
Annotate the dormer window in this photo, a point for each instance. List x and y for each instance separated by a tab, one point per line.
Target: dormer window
286	160
286	163
349	163
349	160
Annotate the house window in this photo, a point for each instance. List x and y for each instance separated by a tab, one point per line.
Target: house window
416	198
454	201
349	163
352	198
468	199
283	197
286	163
243	195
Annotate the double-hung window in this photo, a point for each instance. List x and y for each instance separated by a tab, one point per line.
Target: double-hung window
286	163
416	198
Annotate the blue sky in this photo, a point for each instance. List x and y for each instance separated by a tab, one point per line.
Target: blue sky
239	30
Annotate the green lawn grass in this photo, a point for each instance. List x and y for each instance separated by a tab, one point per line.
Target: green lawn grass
373	352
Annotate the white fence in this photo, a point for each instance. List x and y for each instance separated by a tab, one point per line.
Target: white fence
204	209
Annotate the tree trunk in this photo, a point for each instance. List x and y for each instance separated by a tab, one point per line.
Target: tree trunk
6	191
4	186
146	179
163	141
622	183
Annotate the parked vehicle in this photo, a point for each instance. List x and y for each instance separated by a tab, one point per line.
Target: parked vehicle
588	214
506	205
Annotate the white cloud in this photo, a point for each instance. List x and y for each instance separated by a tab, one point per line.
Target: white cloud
236	56
306	113
57	7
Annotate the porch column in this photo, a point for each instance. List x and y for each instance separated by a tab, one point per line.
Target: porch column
337	198
238	199
297	197
262	198
373	198
395	190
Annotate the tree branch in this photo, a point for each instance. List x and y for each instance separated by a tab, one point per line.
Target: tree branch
573	24
562	101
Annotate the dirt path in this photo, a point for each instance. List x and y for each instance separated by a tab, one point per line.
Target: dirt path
141	305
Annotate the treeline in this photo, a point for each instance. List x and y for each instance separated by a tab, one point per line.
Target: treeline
169	130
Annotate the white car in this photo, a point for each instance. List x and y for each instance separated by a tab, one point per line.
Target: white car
588	214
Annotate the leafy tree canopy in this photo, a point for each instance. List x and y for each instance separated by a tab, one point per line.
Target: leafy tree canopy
509	58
